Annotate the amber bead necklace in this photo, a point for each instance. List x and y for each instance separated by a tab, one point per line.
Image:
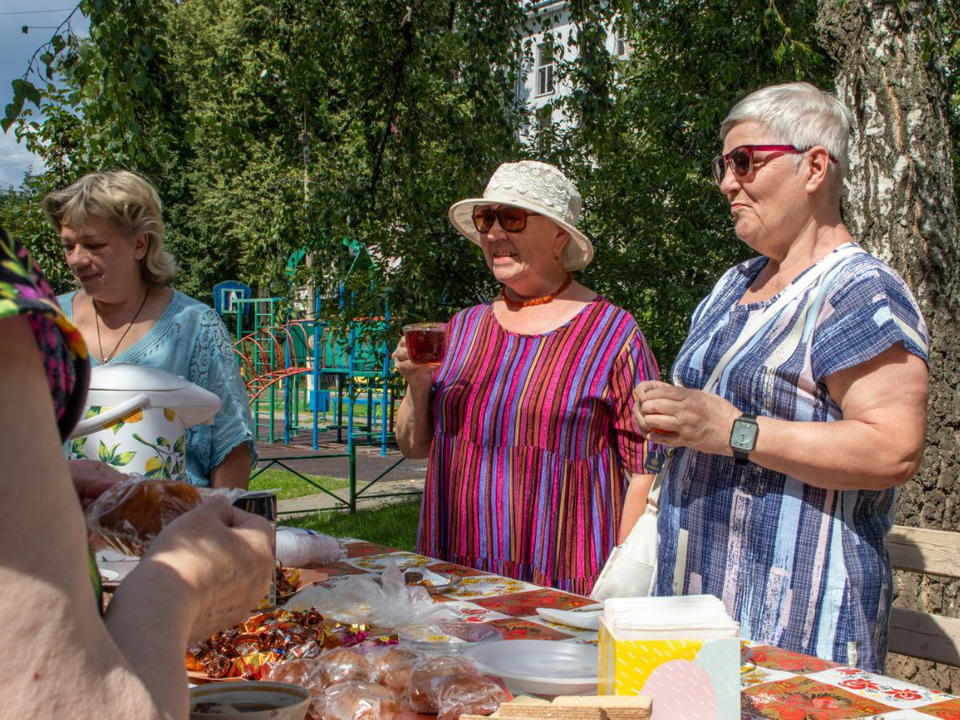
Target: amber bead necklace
519	304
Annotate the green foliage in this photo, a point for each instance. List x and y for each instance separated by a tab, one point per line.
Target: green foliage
645	130
22	215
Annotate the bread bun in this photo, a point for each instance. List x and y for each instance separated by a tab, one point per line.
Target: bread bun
458	695
342	664
426	676
130	514
357	700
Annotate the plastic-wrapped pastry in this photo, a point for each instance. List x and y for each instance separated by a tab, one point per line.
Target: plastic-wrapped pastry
458	695
131	513
426	677
342	664
356	700
394	656
306	673
394	667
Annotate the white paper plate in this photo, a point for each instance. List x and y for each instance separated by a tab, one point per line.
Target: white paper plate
540	667
108	575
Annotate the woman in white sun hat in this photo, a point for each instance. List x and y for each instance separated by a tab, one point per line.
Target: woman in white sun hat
535	470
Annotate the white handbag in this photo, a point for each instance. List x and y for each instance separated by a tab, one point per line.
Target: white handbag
630	569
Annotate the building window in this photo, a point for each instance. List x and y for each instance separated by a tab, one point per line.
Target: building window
545	68
621	46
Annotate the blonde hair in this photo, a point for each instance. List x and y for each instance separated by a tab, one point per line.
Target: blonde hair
126	201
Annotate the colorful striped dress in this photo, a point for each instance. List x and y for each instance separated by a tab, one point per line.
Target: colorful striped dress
798	566
533	445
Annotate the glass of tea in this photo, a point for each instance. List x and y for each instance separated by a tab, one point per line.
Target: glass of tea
426	342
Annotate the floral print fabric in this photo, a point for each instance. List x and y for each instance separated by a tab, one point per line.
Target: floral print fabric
24	291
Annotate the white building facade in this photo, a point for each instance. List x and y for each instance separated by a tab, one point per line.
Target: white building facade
549	30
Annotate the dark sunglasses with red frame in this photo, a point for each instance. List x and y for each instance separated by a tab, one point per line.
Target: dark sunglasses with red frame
511	219
740	159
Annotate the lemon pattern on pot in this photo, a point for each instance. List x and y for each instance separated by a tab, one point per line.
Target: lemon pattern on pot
149	441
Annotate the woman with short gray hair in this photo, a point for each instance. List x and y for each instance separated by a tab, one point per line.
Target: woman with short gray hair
797	403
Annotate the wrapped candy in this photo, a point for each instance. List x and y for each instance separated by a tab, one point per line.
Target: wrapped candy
263	638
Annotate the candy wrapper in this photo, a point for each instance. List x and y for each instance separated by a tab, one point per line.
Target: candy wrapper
131	513
250	648
360	600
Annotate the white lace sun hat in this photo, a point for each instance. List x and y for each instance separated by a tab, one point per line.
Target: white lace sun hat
539	188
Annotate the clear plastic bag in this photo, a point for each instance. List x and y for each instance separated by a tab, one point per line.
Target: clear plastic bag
131	513
427	678
342	664
361	600
357	700
457	695
302	548
305	672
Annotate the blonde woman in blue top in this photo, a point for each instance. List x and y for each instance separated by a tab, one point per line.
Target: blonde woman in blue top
783	481
111	227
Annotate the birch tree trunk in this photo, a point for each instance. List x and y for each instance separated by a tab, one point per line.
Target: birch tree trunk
900	204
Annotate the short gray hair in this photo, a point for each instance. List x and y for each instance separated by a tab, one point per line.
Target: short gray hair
128	202
798	114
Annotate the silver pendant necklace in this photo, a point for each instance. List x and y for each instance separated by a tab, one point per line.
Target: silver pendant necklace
96	312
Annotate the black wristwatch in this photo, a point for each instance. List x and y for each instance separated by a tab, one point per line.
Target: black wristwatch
743	437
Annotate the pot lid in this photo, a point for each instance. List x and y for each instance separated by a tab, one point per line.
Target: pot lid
134	378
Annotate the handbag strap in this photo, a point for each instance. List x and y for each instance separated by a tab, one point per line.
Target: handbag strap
653	497
760	319
757	322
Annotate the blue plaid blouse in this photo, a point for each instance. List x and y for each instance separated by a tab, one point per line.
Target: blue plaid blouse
798	566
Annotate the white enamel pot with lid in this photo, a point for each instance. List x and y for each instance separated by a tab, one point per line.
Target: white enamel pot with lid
136	419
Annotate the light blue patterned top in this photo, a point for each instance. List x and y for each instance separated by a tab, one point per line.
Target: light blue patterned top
191	341
798	566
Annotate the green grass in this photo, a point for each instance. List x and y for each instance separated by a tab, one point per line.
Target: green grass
391	525
290	486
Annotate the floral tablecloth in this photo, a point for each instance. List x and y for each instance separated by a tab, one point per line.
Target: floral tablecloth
775	683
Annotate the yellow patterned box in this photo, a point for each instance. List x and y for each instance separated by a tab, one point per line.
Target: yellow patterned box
688	678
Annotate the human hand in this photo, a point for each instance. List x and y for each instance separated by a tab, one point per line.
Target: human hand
679	417
415	375
226	558
91	478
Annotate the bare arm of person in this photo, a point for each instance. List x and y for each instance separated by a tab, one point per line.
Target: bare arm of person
414	428
234	471
634	503
68	661
877	444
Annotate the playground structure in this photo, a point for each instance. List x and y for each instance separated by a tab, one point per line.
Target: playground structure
319	373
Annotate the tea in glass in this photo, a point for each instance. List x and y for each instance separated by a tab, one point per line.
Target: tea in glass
426	342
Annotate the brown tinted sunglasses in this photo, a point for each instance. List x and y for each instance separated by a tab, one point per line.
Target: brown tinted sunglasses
511	219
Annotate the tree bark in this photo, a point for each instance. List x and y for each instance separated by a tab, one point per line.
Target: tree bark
900	204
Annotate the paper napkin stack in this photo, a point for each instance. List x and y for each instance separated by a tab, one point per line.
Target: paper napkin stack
684	652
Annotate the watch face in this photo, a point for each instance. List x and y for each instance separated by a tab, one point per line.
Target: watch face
744	435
